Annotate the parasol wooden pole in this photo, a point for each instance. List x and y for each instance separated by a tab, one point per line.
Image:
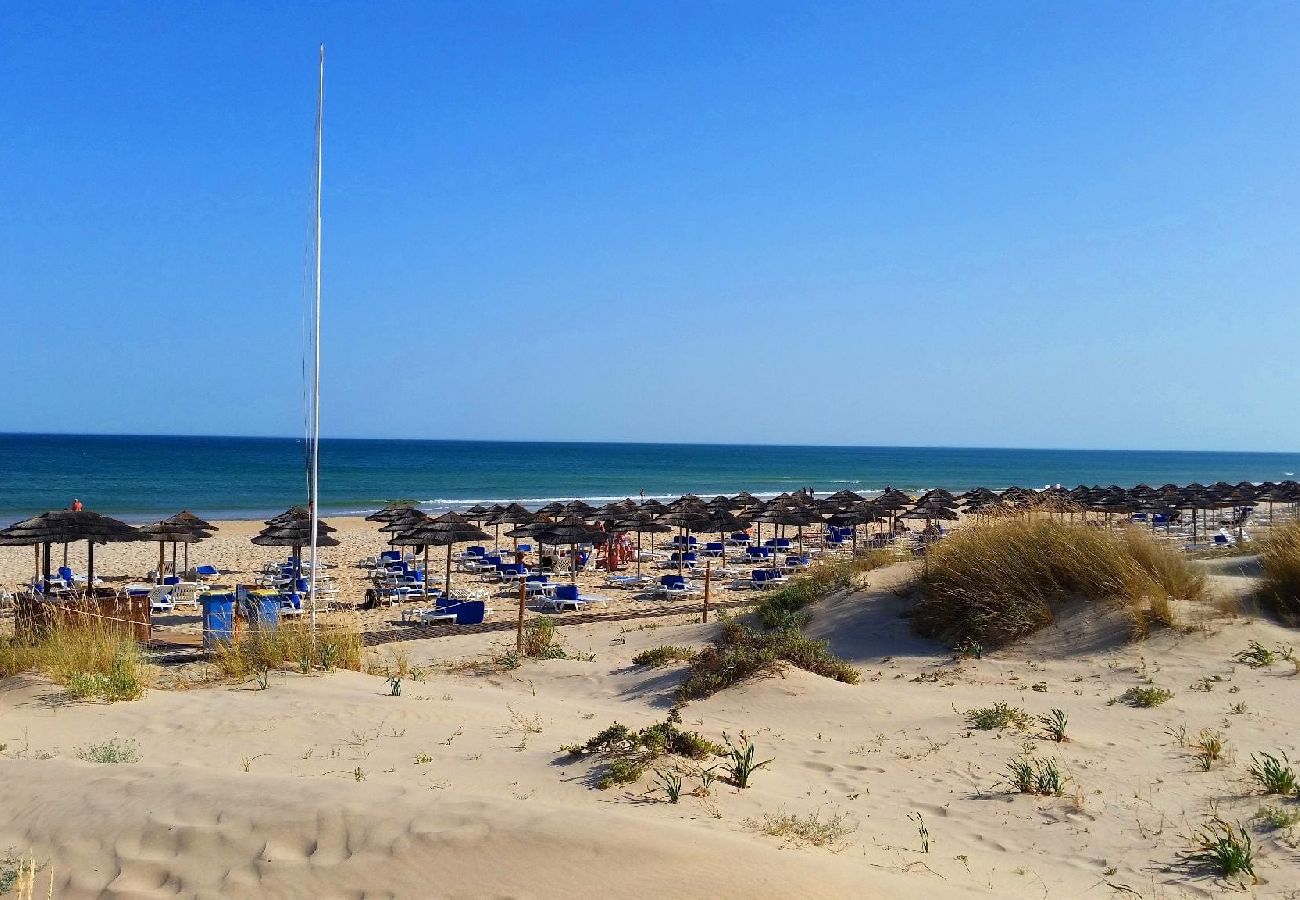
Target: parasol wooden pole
446	586
708	581
90	566
36	561
519	630
162	559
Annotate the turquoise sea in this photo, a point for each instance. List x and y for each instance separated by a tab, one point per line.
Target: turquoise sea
143	478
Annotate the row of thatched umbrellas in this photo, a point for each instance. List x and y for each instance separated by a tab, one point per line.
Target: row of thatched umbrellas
67	526
574	523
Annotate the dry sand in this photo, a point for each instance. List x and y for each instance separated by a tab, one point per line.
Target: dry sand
324	786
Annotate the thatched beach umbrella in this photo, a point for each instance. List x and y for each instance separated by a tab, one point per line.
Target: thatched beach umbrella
293	530
443	531
572	531
641	524
514	514
185	517
390	511
66	526
173	533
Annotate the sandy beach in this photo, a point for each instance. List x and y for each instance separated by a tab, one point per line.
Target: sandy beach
325	785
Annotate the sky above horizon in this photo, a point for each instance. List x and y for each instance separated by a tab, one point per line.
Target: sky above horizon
1002	224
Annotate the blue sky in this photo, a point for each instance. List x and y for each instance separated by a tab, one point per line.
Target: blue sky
1024	224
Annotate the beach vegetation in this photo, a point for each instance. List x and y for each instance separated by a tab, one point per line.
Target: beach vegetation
254	652
671	782
998	716
110	752
1280	818
740	652
1144	696
1030	775
1224	848
1272	773
1279	560
1257	656
807	830
740	764
629	753
995	581
663	655
785	607
91	659
1208	748
1054	725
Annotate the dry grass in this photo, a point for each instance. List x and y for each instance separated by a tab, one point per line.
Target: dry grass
1279	557
784	607
90	658
335	645
999	580
810	830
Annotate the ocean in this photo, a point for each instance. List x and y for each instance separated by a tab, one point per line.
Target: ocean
144	478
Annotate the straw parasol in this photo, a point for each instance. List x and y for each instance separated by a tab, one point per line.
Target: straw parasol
514	514
641	524
443	531
292	528
572	531
166	532
185	517
66	526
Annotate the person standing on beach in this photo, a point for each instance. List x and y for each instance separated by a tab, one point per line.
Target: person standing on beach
76	505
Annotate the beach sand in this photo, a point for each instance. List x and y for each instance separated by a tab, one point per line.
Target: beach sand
325	786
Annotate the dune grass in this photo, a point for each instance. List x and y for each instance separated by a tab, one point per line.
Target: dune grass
335	646
91	659
1279	558
741	652
786	606
992	582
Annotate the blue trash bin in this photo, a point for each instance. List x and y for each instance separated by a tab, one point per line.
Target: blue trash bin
218	619
263	609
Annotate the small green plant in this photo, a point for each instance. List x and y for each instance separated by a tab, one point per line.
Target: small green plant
742	766
1144	697
328	656
304	661
631	752
110	752
968	648
809	830
1237	709
1257	656
1273	775
394	685
622	770
358	774
1030	775
1209	748
707	776
263	678
663	655
921	830
998	716
671	782
1054	725
1278	817
423	759
540	639
1225	848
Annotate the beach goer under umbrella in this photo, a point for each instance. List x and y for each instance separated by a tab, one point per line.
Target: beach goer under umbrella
66	526
641	524
573	531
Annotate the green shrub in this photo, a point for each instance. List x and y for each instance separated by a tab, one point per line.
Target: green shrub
998	716
540	639
663	655
784	607
1145	696
1224	848
1054	725
629	753
1273	775
1036	776
110	752
1278	817
1257	656
741	764
741	653
91	659
990	583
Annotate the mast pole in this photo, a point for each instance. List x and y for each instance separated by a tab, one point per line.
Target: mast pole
315	392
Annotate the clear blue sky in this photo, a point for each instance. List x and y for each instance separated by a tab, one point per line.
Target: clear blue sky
1024	224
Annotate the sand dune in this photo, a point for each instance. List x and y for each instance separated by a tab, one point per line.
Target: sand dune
335	803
